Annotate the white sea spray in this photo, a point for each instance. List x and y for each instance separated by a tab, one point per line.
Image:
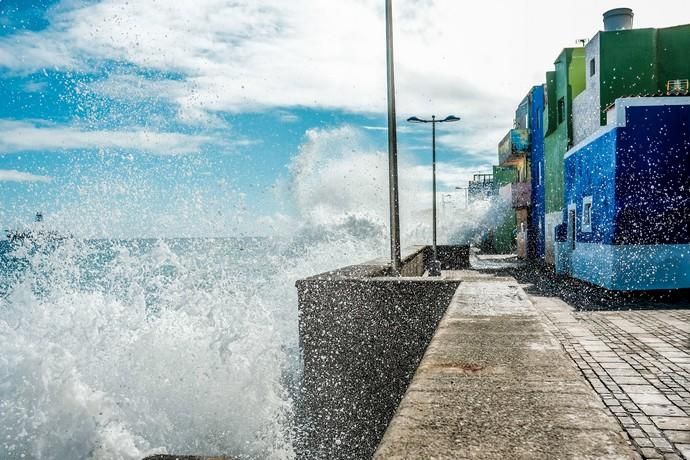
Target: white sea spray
116	349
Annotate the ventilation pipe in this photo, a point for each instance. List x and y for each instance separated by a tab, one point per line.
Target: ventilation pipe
618	19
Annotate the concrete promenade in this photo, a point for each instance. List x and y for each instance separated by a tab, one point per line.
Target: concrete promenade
495	383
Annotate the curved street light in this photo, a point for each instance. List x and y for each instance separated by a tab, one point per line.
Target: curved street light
435	268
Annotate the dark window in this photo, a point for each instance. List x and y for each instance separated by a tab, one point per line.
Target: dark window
561	110
592	67
587	214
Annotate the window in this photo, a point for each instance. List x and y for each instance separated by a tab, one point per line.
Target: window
587	214
561	110
592	67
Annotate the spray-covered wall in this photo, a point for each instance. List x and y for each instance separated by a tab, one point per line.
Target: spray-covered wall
628	187
536	126
587	105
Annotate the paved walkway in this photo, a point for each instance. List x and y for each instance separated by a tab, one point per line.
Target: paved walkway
638	362
495	383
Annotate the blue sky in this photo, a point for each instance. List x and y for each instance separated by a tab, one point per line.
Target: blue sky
154	118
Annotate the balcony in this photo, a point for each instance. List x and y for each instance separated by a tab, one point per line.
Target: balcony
514	147
481	187
521	194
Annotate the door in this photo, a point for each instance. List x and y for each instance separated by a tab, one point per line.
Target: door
571	229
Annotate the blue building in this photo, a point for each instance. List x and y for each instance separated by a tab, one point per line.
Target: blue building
536	229
627	198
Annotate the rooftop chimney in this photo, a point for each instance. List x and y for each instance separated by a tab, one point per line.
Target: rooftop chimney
618	19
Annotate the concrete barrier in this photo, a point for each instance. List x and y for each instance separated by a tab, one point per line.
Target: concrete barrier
362	334
186	457
451	257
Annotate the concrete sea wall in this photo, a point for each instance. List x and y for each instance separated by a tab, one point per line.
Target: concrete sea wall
362	334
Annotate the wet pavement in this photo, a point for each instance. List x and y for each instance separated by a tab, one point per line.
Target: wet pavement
633	349
495	383
638	363
527	364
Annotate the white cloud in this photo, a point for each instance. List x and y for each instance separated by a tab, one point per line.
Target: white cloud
476	60
399	129
12	175
20	136
33	51
35	86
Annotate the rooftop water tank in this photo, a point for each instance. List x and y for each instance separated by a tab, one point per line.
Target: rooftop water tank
618	19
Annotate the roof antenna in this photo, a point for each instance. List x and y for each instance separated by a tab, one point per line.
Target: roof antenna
581	41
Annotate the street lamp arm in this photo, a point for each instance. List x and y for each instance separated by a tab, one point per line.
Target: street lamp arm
449	118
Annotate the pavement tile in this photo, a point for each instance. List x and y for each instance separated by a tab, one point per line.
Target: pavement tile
628	380
667	410
626	420
613	388
651	430
642	419
672	423
629	372
639	389
603	355
648	452
678	437
675	355
684	450
650	399
616	365
662	444
643	442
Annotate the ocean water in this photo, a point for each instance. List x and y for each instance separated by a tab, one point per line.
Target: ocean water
122	348
117	349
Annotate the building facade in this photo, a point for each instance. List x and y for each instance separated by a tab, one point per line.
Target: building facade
562	87
537	224
627	197
597	165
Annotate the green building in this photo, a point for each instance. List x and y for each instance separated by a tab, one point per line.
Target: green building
503	236
625	63
565	83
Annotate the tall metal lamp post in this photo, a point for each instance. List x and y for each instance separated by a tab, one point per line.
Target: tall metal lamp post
435	268
392	146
